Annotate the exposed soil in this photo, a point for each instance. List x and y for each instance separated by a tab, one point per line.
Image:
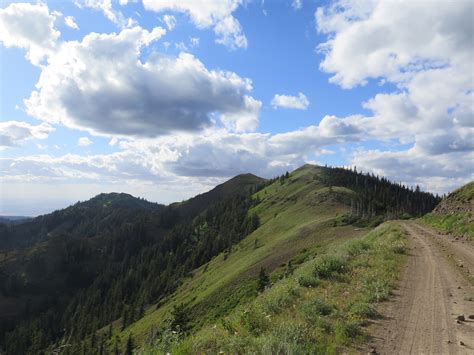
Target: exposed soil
425	314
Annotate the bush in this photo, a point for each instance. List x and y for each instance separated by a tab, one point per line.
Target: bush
364	310
308	281
327	266
255	321
377	290
316	308
357	247
343	331
399	247
278	299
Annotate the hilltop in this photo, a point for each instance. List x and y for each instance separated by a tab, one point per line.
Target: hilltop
94	217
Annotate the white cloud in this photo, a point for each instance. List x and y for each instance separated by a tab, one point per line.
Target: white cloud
100	85
84	142
109	12
170	21
30	27
70	22
13	133
373	39
205	14
425	50
440	173
299	102
209	154
194	41
297	4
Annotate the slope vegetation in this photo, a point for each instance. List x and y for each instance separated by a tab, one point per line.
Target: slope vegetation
454	214
168	278
303	229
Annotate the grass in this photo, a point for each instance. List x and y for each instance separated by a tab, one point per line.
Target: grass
457	223
297	223
464	193
292	318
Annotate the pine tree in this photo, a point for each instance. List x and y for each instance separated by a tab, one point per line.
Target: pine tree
180	320
129	346
263	280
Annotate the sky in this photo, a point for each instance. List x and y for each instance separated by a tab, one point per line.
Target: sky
164	99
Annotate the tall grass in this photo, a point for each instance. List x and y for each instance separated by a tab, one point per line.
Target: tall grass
321	308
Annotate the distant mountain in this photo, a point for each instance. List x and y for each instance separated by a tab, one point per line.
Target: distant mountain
13	219
94	217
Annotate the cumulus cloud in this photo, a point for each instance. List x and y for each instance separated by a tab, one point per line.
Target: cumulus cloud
213	153
299	102
84	142
101	85
30	27
13	133
430	65
109	12
70	22
440	173
205	14
377	39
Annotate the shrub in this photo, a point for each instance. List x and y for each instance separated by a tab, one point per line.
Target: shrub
329	265
399	247
377	290
308	281
255	320
278	299
315	308
343	331
364	310
357	247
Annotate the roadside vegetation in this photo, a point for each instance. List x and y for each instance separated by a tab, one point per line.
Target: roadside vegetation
319	306
460	224
454	213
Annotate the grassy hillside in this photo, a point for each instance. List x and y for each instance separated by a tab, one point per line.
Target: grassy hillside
172	277
320	307
301	220
454	214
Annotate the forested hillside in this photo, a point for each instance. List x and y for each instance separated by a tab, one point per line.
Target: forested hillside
100	272
377	196
95	217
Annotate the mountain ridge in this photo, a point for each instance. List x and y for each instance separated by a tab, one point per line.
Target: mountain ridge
205	253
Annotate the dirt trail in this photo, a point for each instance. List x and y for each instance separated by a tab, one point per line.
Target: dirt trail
422	317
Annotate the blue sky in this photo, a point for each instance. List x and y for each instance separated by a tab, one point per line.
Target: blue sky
165	99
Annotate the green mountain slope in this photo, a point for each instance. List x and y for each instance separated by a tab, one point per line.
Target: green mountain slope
302	219
454	214
238	185
79	275
179	270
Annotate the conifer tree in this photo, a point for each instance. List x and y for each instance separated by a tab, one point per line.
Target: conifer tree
263	280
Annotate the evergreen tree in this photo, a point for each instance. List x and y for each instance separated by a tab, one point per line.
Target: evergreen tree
180	318
263	280
129	346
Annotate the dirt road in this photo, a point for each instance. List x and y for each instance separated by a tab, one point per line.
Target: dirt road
434	290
